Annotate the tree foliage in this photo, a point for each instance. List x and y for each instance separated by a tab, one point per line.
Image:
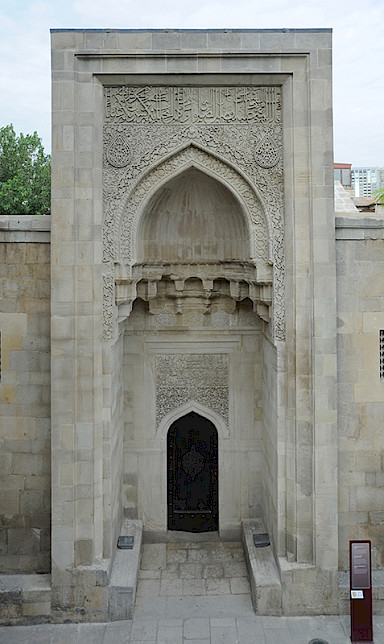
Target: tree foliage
379	195
25	174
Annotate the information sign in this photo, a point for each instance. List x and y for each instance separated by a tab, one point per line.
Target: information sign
361	591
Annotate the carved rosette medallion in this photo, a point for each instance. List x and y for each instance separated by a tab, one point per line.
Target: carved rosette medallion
182	378
233	133
193	463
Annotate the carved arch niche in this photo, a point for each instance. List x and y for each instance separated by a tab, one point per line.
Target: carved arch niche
190	226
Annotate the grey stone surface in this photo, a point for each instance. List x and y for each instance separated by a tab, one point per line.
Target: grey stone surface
263	574
243	630
125	572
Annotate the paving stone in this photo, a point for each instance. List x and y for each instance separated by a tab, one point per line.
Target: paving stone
148	588
200	556
144	629
149	607
91	633
191	571
170	622
154	556
171	571
149	574
217	586
22	635
273	635
120	634
224	635
176	555
222	622
239	585
250	629
274	622
170	635
194	587
196	628
171	587
235	569
213	570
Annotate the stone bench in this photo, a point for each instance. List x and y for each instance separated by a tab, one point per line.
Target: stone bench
125	572
262	570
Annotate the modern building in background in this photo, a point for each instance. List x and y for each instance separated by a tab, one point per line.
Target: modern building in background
365	181
342	172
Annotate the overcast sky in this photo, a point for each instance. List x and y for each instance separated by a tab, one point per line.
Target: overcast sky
358	53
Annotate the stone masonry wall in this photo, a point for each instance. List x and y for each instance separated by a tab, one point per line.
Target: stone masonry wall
360	292
25	395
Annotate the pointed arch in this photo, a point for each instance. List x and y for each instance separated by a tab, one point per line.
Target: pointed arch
129	218
202	410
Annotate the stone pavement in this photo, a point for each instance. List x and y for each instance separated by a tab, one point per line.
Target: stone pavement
246	629
193	594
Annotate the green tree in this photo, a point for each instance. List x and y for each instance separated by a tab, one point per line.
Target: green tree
379	196
25	174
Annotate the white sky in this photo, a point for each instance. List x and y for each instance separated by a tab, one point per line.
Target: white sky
358	47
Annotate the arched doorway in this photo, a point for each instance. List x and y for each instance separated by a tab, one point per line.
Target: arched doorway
192	461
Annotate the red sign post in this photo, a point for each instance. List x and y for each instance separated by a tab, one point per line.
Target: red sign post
361	591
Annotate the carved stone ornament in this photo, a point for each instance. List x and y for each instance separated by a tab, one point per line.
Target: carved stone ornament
193	463
118	152
181	378
187	105
266	152
234	134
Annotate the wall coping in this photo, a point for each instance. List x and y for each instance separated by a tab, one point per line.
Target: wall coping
373	221
25	222
25	229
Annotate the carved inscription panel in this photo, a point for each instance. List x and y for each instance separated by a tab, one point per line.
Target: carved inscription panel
186	105
181	378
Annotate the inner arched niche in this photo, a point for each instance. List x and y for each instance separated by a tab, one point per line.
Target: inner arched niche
193	218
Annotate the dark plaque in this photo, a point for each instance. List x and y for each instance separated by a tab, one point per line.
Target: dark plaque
125	543
261	540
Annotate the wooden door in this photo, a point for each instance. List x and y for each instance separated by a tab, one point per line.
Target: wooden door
193	475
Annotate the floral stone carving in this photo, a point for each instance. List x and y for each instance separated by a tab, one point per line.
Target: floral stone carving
181	378
232	133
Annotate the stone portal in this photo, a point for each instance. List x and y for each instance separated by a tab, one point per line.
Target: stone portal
193	229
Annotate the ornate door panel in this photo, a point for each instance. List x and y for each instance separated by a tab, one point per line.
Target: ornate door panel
193	475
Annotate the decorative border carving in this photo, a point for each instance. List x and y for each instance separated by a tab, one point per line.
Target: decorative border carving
181	378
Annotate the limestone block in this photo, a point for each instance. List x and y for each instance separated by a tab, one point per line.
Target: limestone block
122	587
23	542
9	502
27	464
263	574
